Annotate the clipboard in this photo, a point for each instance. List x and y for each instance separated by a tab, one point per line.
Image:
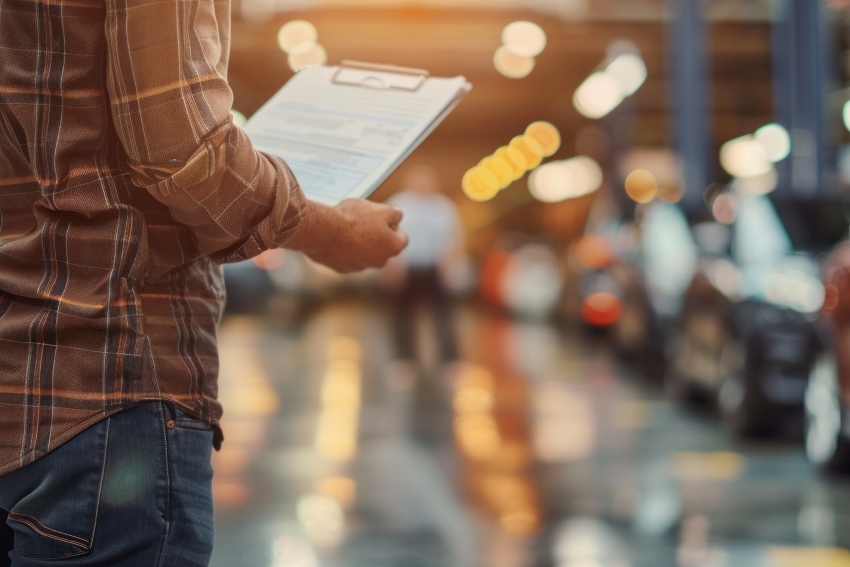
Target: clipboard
344	129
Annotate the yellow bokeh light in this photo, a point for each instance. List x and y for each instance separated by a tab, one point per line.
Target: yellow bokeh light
546	135
530	148
515	158
295	34
500	168
307	55
512	65
641	186
476	188
344	348
669	194
341	488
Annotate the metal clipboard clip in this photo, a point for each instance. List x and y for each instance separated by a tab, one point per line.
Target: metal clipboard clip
377	76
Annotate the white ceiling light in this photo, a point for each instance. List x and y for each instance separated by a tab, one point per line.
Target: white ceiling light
526	39
568	179
512	65
630	70
744	157
295	34
775	140
598	95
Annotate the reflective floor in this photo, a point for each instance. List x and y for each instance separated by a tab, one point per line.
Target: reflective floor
536	450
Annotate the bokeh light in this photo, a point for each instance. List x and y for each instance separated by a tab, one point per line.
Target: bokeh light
500	168
525	39
477	188
593	252
515	158
641	186
512	65
239	119
295	34
725	208
307	55
669	194
568	179
601	309
629	70
758	185
598	95
546	135
530	148
322	519
846	114
775	140
744	157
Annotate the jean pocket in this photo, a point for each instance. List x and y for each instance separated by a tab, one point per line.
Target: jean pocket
57	516
182	420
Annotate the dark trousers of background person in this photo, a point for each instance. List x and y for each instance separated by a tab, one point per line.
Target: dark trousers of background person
424	287
134	490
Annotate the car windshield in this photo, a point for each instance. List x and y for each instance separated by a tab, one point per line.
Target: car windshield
769	228
812	225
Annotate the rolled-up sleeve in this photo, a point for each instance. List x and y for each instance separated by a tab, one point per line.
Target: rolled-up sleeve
170	103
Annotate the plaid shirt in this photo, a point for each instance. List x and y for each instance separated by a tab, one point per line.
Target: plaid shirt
123	186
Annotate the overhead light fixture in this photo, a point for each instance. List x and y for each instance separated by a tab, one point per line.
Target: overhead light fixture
744	157
524	38
598	95
512	65
521	42
603	91
567	179
775	140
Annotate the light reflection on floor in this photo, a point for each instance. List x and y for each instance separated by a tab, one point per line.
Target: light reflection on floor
535	451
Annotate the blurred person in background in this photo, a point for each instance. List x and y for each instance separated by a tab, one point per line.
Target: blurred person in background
421	274
124	184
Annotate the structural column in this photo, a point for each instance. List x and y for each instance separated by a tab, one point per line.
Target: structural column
800	88
690	98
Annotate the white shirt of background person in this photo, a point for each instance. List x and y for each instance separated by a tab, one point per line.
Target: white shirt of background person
430	220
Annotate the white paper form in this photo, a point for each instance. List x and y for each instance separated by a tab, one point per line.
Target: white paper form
343	140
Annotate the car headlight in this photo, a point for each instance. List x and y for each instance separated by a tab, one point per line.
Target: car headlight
795	288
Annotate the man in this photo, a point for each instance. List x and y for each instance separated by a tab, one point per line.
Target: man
123	186
422	270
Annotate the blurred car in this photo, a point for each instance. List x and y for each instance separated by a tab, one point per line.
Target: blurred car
748	335
827	399
526	279
633	280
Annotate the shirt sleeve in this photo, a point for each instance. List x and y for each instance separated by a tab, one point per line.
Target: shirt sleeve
170	103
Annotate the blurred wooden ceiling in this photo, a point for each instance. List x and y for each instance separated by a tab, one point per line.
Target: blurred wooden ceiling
452	42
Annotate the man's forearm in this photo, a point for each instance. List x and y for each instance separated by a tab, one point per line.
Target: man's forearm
318	230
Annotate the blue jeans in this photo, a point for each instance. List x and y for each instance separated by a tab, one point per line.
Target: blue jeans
134	490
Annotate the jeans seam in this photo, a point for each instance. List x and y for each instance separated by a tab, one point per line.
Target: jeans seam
42	526
167	487
36	529
102	475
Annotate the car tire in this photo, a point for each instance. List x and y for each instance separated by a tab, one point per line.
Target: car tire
678	383
826	447
743	406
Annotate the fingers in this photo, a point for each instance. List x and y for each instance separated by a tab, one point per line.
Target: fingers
401	240
394	216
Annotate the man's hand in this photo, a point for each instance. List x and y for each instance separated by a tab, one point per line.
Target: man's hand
351	236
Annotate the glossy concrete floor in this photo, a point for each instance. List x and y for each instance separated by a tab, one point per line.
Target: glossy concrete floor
536	450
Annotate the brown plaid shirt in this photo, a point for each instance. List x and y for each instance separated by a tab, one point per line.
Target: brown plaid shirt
123	186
